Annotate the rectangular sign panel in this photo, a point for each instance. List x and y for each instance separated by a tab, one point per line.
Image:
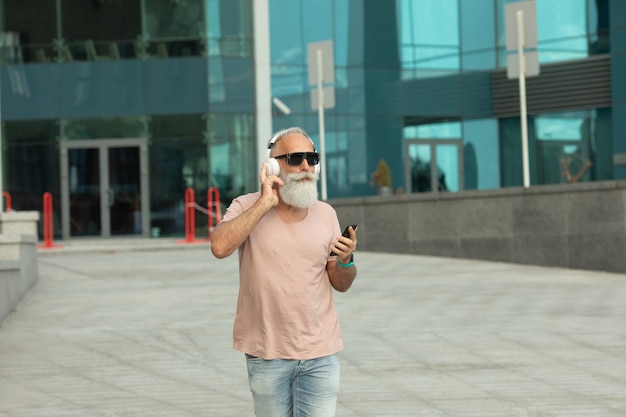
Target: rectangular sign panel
530	24
328	62
532	64
329	98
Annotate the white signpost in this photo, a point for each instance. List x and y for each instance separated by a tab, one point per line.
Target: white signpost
321	77
521	33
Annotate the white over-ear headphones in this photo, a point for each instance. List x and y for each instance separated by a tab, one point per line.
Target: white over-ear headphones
272	163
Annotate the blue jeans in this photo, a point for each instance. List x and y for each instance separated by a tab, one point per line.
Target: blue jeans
293	388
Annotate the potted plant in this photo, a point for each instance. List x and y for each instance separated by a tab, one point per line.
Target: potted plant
381	178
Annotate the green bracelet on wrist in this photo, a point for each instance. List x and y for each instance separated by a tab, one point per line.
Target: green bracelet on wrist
348	265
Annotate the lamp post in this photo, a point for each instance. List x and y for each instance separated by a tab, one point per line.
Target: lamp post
322	72
521	33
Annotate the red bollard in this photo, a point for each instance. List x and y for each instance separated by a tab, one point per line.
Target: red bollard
190	219
190	215
7	198
48	223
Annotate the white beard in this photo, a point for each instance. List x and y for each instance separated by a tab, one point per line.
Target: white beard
301	194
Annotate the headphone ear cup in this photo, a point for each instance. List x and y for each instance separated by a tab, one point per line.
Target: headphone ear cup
272	166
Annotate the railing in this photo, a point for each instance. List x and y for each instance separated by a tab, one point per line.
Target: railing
62	50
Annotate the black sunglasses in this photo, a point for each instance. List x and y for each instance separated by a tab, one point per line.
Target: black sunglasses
296	158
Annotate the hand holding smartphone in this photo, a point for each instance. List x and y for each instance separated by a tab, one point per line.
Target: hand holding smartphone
346	233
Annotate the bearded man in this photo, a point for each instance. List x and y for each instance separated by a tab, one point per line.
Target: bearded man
286	322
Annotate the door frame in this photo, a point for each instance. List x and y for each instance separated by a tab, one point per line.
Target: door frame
434	171
103	146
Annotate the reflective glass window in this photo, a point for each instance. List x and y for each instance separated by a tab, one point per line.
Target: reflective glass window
480	154
87	32
478	34
447	167
288	52
598	20
229	27
511	170
103	128
562	30
317	24
173	19
31	150
564	147
429	36
574	146
286	36
197	27
174	28
29	29
433	165
420	162
178	160
231	148
342	27
446	130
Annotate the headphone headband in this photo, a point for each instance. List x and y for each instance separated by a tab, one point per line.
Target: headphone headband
288	131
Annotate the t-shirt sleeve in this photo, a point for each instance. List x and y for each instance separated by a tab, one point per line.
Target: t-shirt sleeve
239	205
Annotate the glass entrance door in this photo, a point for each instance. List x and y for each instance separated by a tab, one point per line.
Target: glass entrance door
85	192
433	165
124	191
104	188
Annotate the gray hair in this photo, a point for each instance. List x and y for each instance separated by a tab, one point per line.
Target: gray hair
285	132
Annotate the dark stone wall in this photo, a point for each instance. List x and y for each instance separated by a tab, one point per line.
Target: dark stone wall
579	226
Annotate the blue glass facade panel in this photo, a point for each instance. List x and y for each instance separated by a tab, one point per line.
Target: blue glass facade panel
318	26
109	89
437	65
100	89
350	101
618	40
30	92
480	154
427	43
383	92
237	84
355	92
478	33
561	19
288	47
562	30
619	128
176	86
289	80
341	33
618	69
618	24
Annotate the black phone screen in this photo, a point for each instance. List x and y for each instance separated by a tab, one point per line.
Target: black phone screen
346	233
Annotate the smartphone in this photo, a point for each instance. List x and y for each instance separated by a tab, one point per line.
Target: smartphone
346	233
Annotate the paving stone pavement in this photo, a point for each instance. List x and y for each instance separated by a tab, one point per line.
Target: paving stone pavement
120	331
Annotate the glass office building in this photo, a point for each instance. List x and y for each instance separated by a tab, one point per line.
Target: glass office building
117	107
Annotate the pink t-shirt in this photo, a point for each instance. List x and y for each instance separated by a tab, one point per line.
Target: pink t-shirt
285	307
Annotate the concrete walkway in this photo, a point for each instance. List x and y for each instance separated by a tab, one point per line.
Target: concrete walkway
122	331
